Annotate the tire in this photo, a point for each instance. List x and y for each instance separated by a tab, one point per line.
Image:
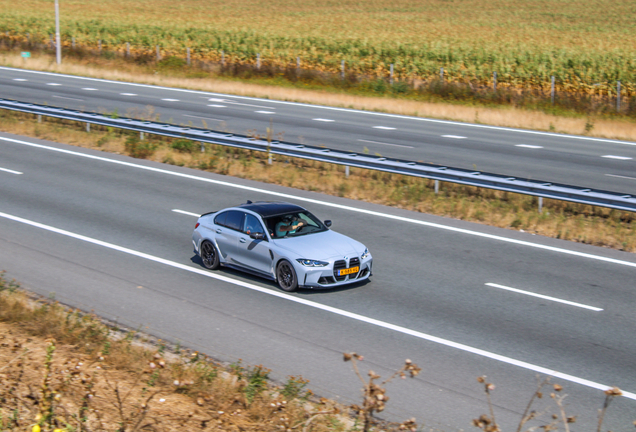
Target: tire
209	255
286	276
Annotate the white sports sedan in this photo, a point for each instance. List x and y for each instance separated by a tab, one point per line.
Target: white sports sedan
282	242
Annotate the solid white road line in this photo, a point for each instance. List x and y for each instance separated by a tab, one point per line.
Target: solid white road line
529	146
454	136
10	171
217	106
19	79
325	203
341	312
128	94
203	118
617	157
53	84
323	107
186	212
68	98
265	112
554	299
323	120
620	176
89	89
383	127
387	144
170	100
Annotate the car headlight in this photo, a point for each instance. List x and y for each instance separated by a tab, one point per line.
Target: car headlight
365	254
312	263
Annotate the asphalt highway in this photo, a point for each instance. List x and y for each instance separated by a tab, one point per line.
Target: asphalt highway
575	160
112	234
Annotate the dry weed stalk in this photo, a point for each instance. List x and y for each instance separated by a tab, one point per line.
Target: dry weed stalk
374	395
488	423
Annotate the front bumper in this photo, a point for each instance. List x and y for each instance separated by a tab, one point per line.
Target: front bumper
328	277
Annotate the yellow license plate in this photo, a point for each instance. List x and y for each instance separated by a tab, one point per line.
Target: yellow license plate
348	271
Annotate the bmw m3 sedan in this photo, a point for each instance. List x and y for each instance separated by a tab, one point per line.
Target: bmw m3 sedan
282	242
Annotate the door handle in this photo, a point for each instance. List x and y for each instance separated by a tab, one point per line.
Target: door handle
218	231
242	240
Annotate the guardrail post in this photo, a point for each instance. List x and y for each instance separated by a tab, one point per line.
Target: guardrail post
346	170
540	204
342	73
222	58
141	136
441	74
258	61
127	49
73	42
39	118
88	127
494	80
158	53
202	147
391	76
436	187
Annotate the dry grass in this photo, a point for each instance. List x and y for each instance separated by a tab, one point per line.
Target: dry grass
61	369
586	224
506	117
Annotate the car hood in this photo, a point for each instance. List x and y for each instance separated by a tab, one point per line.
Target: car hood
321	246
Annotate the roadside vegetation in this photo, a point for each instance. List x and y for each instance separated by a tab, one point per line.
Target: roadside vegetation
559	219
63	370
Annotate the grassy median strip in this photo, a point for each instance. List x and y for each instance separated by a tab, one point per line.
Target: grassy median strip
559	219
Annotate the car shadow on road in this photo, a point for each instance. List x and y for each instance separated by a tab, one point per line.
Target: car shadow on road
248	277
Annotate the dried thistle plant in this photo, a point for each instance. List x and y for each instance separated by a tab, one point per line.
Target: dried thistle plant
374	394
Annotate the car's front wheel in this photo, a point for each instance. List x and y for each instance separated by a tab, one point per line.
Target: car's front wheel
286	275
209	255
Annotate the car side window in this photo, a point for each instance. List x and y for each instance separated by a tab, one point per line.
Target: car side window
234	220
252	225
220	219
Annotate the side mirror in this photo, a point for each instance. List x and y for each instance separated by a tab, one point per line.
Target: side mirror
257	236
327	223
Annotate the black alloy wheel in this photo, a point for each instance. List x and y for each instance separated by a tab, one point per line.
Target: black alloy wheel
286	275
209	255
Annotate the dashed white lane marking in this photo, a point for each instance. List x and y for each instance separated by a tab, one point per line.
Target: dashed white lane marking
387	144
128	94
323	120
329	204
53	84
545	297
170	100
10	171
89	89
384	127
529	146
217	106
68	98
204	118
454	136
231	102
19	79
265	112
620	176
330	309
186	212
617	157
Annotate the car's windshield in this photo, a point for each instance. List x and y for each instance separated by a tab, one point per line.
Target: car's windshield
293	225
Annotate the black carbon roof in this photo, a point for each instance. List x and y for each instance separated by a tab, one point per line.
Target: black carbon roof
267	208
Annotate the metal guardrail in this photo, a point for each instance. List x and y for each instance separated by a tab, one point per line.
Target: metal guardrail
537	188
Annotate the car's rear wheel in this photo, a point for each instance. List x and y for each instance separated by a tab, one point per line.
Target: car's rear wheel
286	275
209	255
